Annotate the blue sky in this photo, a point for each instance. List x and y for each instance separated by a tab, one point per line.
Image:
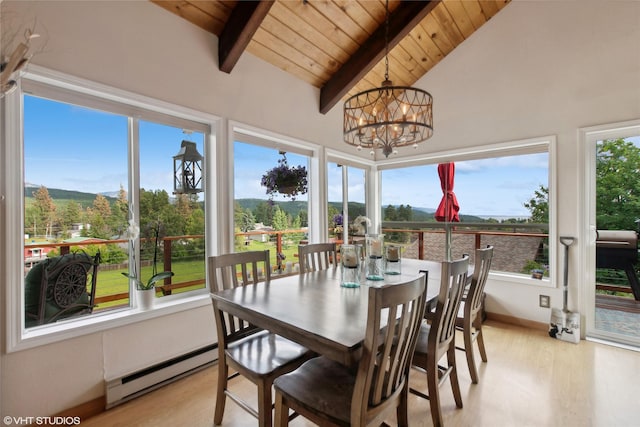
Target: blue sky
512	181
75	148
84	150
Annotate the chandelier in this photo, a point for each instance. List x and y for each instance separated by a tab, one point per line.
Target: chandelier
389	116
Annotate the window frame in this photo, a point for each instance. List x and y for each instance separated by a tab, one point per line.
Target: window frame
588	138
64	88
371	183
242	132
517	147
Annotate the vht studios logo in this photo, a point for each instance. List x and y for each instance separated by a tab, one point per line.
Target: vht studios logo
49	421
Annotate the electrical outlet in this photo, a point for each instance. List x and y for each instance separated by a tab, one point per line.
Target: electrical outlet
545	301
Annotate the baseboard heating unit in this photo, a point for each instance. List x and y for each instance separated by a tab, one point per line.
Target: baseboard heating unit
125	388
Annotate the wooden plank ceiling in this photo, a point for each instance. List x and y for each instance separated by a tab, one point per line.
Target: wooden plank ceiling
339	45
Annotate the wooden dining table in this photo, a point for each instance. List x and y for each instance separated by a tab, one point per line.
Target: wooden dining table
313	310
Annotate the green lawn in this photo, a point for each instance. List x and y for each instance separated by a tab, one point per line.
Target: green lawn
112	282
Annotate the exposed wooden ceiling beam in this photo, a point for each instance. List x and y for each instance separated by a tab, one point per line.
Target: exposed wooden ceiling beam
243	22
402	20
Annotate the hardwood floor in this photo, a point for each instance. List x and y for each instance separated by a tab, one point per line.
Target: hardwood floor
529	380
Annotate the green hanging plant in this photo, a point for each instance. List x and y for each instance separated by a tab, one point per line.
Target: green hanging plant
289	181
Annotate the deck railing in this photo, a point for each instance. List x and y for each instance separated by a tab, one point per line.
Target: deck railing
420	240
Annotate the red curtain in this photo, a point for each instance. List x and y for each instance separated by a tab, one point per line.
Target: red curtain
448	208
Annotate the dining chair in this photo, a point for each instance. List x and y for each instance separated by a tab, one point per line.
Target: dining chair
329	393
437	338
469	319
317	256
256	354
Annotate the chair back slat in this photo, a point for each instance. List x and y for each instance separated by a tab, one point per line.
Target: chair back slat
317	256
483	258
452	284
229	271
393	321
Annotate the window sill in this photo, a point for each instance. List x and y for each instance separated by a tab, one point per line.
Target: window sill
520	279
63	330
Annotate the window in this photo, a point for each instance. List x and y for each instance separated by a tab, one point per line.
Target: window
75	198
277	222
89	164
503	199
355	196
172	225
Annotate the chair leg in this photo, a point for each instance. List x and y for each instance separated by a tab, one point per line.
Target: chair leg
281	418
223	374
264	404
402	412
468	350
480	339
434	395
453	375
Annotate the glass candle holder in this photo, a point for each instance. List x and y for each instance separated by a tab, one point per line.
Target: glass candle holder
392	257
350	266
374	259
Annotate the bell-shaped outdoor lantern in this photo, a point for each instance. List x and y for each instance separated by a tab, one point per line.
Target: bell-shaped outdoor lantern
187	169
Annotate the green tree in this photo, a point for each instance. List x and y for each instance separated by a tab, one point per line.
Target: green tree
280	219
538	205
195	223
120	212
390	213
617	185
405	213
237	216
43	212
297	223
303	216
264	213
247	221
99	216
71	214
184	205
402	213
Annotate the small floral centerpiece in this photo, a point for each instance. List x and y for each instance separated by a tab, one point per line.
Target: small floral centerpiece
284	179
338	224
359	225
132	233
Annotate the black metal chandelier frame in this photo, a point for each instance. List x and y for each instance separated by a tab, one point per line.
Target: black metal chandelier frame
389	116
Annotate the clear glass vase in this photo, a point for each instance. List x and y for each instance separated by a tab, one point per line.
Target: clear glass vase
374	260
350	266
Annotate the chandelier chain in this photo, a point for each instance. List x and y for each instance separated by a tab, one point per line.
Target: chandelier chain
386	42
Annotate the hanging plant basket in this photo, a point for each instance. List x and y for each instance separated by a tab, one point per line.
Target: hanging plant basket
290	181
288	190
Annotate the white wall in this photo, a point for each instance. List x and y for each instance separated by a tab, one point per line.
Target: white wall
541	68
537	68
